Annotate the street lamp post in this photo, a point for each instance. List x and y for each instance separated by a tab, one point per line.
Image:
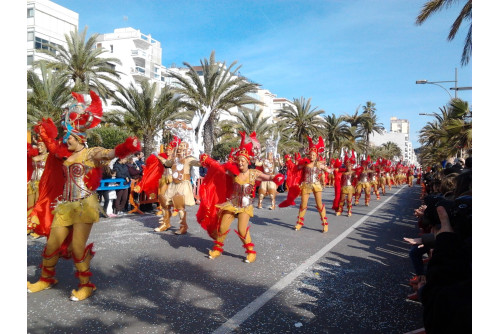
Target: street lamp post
437	83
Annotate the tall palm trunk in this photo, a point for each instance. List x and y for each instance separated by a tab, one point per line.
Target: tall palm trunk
209	135
148	144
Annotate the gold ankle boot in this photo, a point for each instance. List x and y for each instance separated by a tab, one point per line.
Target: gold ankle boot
300	219
83	273
47	279
183	224
248	245
217	249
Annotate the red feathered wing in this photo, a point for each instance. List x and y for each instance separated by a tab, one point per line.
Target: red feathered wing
293	180
50	187
215	188
152	172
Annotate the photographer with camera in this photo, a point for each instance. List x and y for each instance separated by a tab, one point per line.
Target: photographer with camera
447	293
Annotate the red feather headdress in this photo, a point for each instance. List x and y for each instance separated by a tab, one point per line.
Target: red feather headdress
247	146
319	148
80	117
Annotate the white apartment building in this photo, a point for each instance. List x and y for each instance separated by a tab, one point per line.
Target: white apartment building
400	125
400	139
47	24
139	53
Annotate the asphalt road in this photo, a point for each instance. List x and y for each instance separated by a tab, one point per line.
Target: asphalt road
349	280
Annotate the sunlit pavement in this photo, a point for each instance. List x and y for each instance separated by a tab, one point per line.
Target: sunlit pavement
352	279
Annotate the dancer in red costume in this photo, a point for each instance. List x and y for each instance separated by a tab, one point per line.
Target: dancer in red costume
373	178
387	175
306	179
363	182
379	177
36	165
347	181
419	175
409	175
72	175
226	194
337	177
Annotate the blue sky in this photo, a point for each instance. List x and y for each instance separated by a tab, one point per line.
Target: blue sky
340	54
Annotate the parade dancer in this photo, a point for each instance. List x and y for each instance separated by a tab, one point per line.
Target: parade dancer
306	180
268	167
337	178
179	193
347	180
77	206
226	194
388	175
364	183
409	175
373	178
37	158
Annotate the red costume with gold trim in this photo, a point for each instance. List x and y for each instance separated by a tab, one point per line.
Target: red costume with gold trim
347	184
308	177
226	194
68	193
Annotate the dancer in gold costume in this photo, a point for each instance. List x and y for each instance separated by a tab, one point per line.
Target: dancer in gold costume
226	194
77	206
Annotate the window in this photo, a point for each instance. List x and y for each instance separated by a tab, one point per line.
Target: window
99	45
42	44
31	12
31	35
111	47
30	59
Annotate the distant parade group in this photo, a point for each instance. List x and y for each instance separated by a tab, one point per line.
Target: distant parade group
64	174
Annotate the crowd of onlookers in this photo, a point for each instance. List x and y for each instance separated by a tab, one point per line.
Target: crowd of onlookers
130	168
441	255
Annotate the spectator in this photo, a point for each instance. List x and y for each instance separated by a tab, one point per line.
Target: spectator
281	187
139	160
121	201
447	294
104	194
203	171
134	169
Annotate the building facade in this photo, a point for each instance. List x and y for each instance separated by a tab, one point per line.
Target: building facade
400	139
400	125
47	23
139	54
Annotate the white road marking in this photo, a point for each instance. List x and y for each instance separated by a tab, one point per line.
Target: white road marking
255	305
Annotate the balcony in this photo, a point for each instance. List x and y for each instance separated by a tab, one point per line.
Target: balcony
138	53
138	73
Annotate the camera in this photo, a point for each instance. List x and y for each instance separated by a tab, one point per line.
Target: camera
459	212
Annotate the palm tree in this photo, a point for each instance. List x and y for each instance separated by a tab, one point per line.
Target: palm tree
449	134
355	120
356	133
144	114
336	131
369	108
47	96
433	6
459	126
302	120
218	88
391	150
369	126
83	65
249	120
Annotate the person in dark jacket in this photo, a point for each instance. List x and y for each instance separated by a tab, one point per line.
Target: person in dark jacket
121	169
447	295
